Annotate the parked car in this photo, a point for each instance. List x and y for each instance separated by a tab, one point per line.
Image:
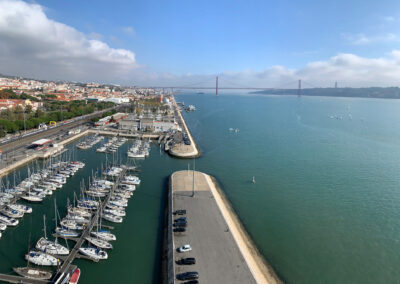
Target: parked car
184	248
179	230
179	224
192	275
180	219
187	261
191	282
179	212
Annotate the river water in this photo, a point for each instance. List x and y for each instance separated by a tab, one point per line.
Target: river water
325	207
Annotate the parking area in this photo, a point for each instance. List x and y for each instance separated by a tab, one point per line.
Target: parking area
218	258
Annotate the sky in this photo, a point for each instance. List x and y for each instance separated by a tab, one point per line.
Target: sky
186	42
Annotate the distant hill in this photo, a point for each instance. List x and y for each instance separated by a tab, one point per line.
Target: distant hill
373	92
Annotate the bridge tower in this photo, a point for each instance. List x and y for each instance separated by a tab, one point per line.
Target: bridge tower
299	89
336	85
216	86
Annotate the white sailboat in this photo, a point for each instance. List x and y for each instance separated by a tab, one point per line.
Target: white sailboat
95	253
48	246
41	258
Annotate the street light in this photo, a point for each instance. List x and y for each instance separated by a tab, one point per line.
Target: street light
194	168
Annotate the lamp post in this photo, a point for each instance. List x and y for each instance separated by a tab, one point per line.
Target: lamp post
194	168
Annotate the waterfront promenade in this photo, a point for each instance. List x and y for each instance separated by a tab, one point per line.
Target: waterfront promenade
224	252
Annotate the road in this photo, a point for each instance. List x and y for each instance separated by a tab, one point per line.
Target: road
14	144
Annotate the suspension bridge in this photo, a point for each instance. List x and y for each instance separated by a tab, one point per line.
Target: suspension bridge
234	86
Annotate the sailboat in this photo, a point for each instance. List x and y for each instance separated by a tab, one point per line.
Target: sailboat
48	246
64	232
32	273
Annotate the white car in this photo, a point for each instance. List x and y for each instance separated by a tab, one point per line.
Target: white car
184	248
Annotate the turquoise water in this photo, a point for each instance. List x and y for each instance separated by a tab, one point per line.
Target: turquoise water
325	207
326	204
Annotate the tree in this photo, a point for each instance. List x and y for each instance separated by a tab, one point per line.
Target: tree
28	109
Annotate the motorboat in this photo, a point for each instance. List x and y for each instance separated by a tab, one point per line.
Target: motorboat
41	258
75	276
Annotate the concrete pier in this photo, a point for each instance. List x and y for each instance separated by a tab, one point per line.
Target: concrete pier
224	252
181	150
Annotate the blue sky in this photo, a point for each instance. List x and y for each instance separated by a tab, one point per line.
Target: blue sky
171	40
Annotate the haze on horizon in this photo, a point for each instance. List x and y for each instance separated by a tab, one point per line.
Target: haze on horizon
251	43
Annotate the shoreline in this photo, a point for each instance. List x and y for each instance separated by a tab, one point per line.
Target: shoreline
259	267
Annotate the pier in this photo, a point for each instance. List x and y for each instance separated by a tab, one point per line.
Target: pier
86	232
223	250
181	150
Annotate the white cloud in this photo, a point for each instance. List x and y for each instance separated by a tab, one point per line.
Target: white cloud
389	19
31	44
348	70
129	30
362	39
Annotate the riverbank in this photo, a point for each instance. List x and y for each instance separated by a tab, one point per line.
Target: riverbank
214	233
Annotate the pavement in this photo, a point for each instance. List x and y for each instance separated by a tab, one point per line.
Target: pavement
218	257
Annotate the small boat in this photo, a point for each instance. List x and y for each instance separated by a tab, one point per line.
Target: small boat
33	273
66	232
95	253
71	224
253	180
112	218
99	243
20	207
104	235
115	212
8	221
79	211
50	247
41	258
75	276
11	213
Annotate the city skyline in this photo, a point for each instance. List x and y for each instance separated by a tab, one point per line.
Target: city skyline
155	43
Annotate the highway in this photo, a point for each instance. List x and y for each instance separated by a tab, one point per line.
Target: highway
14	144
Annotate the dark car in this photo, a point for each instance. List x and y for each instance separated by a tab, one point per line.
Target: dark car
179	230
180	212
180	224
191	282
187	261
180	219
187	142
188	276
